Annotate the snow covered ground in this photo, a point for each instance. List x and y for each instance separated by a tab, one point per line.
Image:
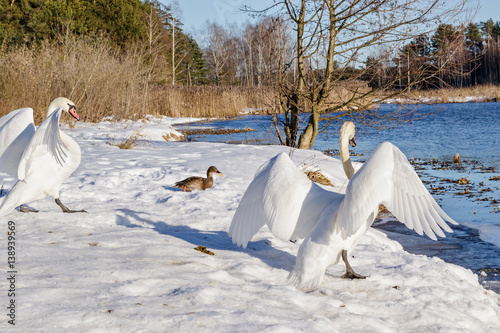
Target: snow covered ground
129	264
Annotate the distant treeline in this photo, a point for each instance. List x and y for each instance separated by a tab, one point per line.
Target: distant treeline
246	55
127	55
452	57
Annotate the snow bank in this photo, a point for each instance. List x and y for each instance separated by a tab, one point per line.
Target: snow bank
129	264
490	233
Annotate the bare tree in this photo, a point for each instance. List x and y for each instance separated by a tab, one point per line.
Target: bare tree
333	38
173	43
217	52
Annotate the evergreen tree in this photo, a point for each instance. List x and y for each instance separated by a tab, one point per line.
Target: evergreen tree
490	29
11	31
29	22
444	35
198	69
473	38
474	43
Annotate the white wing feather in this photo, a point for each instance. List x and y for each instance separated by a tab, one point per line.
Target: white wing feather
47	139
16	130
282	197
388	178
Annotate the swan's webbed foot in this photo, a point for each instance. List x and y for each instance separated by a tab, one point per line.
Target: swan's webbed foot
352	275
66	209
27	210
349	272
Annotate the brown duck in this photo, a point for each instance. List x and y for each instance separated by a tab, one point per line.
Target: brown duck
198	183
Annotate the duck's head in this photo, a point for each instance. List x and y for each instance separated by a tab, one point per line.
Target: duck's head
66	105
213	170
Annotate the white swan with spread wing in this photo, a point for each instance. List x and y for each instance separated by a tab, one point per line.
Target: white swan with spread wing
16	130
332	224
43	159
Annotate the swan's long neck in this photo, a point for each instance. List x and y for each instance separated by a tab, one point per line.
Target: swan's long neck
52	107
344	152
60	102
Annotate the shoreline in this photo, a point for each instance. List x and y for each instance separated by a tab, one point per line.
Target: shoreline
135	254
447	250
463	247
439	100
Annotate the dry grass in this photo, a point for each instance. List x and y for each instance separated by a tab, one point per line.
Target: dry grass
214	131
104	81
203	249
128	143
172	137
97	77
482	93
343	91
208	101
318	177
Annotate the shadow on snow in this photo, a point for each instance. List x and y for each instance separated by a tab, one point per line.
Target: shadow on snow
212	240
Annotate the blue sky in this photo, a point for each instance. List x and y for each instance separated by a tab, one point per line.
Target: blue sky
195	13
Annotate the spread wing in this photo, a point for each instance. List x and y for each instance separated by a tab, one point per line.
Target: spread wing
388	178
46	140
16	130
283	198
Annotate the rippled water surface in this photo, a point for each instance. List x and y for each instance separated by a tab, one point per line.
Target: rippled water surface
470	129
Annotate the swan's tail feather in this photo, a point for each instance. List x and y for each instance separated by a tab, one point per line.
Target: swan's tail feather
6	206
2	200
294	279
298	280
14	198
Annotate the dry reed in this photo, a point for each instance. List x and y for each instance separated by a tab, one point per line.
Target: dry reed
96	76
105	81
480	93
127	143
208	101
318	177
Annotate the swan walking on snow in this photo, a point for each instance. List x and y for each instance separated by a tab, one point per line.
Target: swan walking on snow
332	224
45	158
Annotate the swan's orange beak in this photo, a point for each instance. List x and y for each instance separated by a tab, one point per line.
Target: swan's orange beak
72	112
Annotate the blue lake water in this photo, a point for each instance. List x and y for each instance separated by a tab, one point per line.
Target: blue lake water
470	129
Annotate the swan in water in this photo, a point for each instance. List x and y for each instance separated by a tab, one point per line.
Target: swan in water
43	159
332	224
